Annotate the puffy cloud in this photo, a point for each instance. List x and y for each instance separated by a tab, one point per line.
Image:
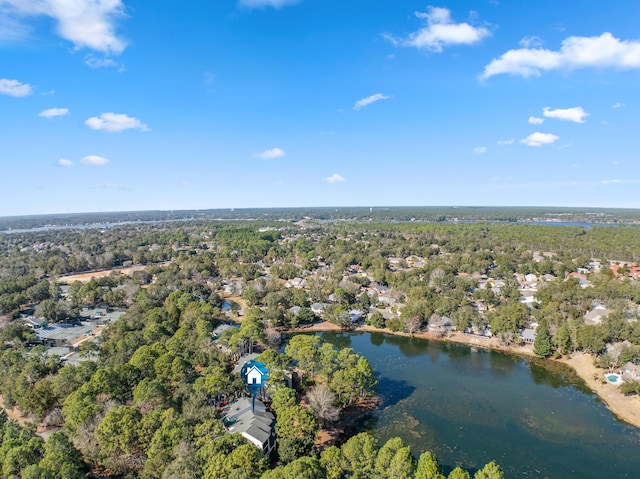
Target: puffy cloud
575	114
271	154
617	105
14	87
369	100
85	23
65	163
267	3
575	52
479	150
94	160
440	31
510	141
534	120
54	112
115	122
539	139
335	178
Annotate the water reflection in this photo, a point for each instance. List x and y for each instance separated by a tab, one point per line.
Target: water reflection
376	338
339	339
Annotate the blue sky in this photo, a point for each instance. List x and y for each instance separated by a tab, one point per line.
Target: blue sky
109	105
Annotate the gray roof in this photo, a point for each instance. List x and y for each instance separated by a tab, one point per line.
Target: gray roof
221	329
528	334
596	315
256	426
244	360
63	331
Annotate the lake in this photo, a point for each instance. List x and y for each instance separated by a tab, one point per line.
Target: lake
469	406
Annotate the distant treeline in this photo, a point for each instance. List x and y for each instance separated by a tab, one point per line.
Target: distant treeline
395	213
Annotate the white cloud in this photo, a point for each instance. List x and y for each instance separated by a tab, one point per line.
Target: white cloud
271	154
94	160
65	163
510	141
267	3
539	139
85	23
14	87
576	114
335	178
54	112
531	42
115	122
617	105
96	62
369	100
480	150
440	31
534	120
576	52
11	29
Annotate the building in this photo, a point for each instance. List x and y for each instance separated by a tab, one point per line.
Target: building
528	335
596	315
440	324
254	422
630	372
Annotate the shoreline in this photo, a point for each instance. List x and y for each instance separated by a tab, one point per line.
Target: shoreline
624	408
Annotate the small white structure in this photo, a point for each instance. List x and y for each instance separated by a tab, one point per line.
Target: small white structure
254	376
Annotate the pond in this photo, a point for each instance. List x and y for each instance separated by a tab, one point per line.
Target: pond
470	406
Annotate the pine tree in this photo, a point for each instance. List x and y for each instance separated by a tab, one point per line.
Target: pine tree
542	344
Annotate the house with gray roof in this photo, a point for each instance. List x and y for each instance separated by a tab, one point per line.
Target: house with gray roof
528	335
440	324
596	315
255	424
318	308
630	372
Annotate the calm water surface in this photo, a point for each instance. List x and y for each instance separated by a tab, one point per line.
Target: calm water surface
470	406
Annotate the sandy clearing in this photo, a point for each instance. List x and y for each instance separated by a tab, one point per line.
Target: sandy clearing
86	277
624	407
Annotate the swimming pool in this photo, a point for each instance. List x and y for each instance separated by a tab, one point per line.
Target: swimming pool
613	378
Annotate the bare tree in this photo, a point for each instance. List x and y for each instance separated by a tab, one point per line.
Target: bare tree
322	401
274	338
412	324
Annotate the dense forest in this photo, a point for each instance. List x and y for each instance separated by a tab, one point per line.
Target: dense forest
148	395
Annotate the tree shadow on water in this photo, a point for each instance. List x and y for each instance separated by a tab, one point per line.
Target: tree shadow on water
392	391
